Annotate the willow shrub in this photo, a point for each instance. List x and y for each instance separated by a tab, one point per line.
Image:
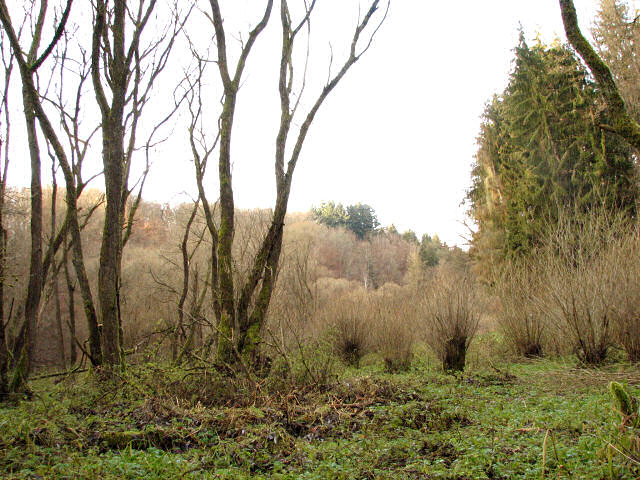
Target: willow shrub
587	273
452	306
519	316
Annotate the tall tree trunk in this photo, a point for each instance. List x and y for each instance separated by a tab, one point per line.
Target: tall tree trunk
54	278
73	225
113	155
266	262
117	66
33	109
113	162
4	352
34	288
227	324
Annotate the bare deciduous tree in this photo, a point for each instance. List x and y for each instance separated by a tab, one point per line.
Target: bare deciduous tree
241	309
39	264
127	71
7	64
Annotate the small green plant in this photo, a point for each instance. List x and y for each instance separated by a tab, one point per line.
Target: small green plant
626	444
625	404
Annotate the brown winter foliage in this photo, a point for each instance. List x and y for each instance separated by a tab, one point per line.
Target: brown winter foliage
330	284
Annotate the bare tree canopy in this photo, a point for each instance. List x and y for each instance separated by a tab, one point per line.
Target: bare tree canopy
241	309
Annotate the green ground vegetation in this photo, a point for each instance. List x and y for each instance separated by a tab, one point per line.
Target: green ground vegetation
530	420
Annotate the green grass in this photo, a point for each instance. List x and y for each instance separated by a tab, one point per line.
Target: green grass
168	423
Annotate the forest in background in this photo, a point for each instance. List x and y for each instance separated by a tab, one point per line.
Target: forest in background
322	258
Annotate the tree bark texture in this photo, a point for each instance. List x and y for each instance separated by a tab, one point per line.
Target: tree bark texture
35	284
4	353
113	163
111	245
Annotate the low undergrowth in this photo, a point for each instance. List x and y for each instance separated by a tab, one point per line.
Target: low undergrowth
540	419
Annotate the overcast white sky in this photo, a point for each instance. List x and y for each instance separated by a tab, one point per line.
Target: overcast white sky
398	133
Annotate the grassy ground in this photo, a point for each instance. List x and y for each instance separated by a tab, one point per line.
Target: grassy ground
540	419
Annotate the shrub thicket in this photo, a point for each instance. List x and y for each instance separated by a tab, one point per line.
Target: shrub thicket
583	278
394	314
519	316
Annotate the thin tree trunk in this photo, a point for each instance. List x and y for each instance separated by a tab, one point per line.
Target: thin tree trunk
4	353
73	352
54	277
227	323
58	322
72	223
26	342
266	262
77	258
180	334
33	109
